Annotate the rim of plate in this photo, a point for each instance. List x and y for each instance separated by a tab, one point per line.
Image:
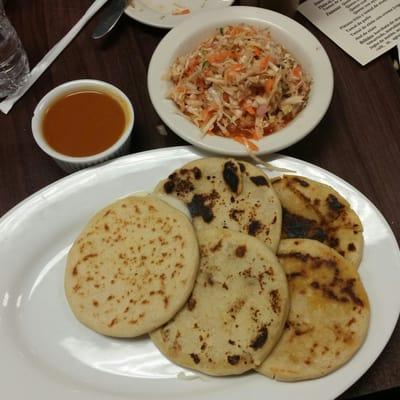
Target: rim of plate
137	16
297	39
188	150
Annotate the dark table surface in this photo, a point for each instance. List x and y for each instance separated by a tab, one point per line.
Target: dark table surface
358	139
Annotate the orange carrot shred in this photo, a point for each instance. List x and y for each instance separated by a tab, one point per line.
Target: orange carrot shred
269	84
251	110
297	72
183	11
248	143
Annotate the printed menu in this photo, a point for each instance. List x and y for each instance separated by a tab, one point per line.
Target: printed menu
364	29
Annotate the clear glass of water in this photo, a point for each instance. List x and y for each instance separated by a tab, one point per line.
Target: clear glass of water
14	65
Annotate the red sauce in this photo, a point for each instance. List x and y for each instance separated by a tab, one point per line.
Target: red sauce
83	123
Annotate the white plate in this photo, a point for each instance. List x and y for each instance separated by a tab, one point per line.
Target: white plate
159	13
300	42
47	353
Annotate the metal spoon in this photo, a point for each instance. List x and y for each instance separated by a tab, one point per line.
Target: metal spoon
109	18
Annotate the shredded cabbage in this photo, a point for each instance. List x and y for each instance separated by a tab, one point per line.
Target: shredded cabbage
239	83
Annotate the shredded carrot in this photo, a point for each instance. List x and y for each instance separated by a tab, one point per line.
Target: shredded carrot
182	11
254	135
297	72
232	71
246	142
251	110
192	64
256	51
269	84
223	55
236	67
219	57
270	129
201	84
264	62
234	30
207	114
252	146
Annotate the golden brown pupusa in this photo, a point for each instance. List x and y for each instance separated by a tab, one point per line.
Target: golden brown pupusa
236	312
329	313
132	267
316	211
227	193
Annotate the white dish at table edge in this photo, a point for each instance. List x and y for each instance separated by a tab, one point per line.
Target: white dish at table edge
56	356
155	17
298	41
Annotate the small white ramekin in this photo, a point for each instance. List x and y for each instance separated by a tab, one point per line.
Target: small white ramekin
69	163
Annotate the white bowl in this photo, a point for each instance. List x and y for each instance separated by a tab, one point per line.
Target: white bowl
69	163
297	40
